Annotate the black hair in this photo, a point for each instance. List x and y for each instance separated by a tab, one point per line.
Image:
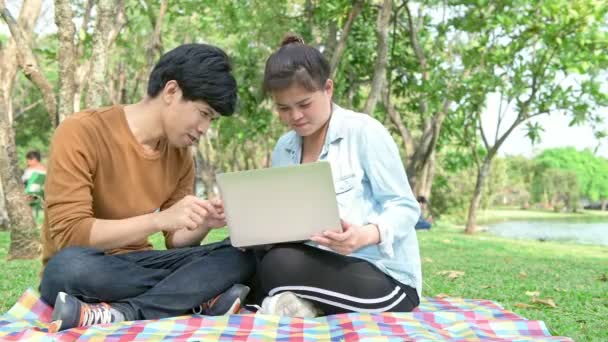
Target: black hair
421	199
34	154
203	72
295	62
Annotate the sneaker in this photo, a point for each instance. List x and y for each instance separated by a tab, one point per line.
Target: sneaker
69	312
227	303
289	304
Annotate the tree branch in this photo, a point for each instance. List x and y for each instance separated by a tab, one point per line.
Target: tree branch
341	47
29	64
384	17
65	32
83	28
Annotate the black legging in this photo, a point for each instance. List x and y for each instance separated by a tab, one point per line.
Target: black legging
336	283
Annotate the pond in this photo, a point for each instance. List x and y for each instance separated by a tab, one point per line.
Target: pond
594	232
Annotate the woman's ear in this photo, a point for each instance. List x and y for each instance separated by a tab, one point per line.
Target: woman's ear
329	87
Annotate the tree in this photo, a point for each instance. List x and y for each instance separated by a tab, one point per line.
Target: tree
25	239
378	80
8	70
66	56
532	56
336	54
425	84
589	171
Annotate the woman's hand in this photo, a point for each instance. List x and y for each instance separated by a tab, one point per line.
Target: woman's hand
352	238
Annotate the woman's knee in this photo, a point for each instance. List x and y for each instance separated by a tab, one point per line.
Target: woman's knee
286	262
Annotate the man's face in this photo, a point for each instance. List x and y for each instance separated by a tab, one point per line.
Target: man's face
186	121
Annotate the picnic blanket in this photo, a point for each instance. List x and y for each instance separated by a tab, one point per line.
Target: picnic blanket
437	319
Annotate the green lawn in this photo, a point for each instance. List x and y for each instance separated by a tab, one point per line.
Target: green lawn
574	277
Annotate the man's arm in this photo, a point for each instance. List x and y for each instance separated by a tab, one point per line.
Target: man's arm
185	222
184	237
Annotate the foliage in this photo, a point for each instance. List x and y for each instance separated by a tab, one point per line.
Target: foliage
556	166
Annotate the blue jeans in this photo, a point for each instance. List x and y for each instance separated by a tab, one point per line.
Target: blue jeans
147	284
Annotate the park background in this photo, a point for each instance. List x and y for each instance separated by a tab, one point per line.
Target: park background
498	108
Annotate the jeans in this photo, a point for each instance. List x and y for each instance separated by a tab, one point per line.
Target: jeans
147	284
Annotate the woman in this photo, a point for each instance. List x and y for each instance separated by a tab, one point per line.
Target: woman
374	264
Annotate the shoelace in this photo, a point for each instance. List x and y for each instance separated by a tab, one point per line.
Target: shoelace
96	314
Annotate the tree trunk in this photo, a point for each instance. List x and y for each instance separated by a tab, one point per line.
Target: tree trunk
155	46
426	145
482	174
207	172
384	17
99	57
426	178
604	204
25	236
66	54
82	69
4	223
336	55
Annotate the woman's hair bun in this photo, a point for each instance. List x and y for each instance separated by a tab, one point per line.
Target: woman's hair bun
292	38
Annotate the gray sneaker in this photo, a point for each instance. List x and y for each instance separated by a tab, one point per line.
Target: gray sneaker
290	305
69	312
226	303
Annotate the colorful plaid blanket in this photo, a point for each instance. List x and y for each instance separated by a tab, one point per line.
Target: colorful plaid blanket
437	319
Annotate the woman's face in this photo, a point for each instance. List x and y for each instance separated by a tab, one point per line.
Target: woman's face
303	110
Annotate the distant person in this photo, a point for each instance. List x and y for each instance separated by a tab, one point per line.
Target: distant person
34	178
34	165
118	175
424	223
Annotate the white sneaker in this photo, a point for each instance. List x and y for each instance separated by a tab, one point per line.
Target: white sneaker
289	304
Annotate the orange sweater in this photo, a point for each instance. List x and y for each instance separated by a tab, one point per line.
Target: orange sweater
98	170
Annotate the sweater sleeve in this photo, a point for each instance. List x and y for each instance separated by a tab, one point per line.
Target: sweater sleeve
69	185
184	188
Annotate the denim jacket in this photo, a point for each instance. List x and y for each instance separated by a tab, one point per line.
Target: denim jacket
371	187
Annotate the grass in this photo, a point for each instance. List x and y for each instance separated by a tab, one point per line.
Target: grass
574	277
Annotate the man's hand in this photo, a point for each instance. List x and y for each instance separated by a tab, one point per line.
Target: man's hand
190	213
215	210
351	238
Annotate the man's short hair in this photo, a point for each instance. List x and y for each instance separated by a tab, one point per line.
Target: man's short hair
34	154
203	72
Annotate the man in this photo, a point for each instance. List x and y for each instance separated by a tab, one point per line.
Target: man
120	174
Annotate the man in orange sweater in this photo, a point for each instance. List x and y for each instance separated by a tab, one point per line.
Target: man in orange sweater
119	174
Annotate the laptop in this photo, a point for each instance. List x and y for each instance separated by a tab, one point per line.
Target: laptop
280	204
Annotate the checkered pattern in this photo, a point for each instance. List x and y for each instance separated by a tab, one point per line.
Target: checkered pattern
445	319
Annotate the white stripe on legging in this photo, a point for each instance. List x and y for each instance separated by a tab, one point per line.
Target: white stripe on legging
354	308
335	294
